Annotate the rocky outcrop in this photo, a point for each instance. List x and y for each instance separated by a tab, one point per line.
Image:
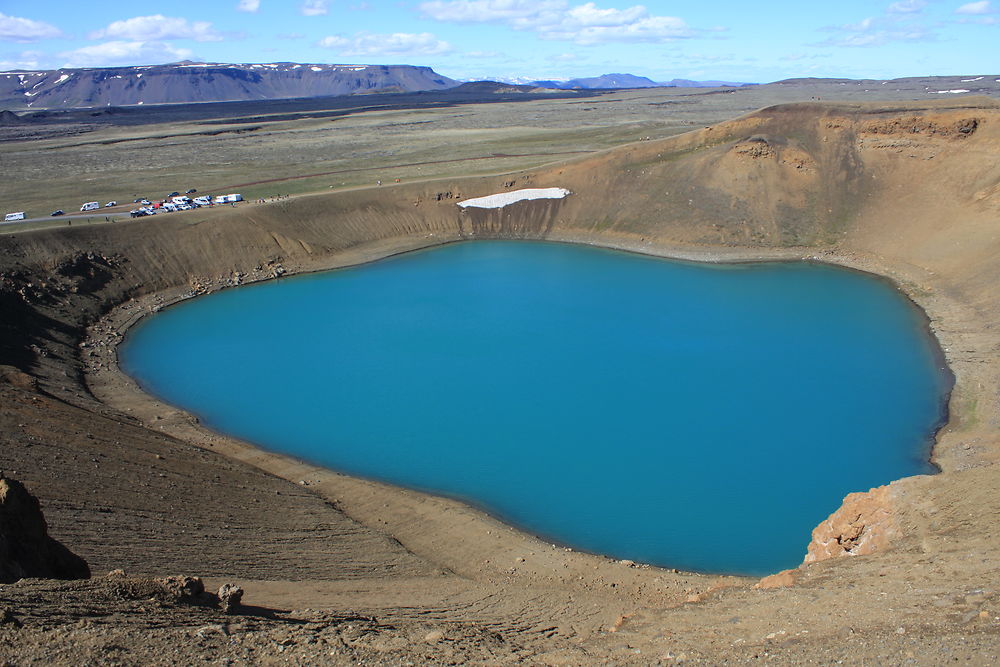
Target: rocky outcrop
922	126
182	587
26	550
864	523
755	147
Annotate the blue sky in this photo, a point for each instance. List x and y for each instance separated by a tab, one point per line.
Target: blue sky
713	39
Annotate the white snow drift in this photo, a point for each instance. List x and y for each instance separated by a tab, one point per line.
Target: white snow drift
505	198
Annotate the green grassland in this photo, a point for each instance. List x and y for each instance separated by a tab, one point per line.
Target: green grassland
246	148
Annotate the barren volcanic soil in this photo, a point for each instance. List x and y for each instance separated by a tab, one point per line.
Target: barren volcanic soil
341	570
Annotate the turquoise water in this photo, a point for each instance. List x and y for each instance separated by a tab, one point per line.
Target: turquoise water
695	416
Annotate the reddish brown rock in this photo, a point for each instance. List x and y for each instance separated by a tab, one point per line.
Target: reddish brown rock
182	587
782	579
864	523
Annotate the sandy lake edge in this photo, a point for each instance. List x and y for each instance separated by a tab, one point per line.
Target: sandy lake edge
395	510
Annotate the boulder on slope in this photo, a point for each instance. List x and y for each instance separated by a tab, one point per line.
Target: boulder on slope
26	549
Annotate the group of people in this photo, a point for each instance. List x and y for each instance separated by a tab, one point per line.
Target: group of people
264	200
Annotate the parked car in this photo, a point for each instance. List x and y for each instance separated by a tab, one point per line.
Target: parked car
172	194
110	204
90	206
190	191
59	212
144	202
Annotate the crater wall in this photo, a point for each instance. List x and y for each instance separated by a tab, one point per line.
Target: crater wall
910	192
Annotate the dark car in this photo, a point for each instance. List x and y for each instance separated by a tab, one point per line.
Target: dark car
190	191
59	212
173	194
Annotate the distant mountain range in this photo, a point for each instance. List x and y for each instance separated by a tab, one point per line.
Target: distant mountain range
615	81
188	82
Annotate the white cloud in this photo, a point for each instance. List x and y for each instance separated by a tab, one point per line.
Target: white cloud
644	29
249	6
879	30
907	7
395	44
879	38
557	20
124	53
25	60
158	27
982	7
16	29
591	15
314	7
490	11
860	26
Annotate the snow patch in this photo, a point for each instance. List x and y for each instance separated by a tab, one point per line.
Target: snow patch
978	78
316	69
61	79
506	198
948	92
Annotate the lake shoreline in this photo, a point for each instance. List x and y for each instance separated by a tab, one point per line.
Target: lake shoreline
118	390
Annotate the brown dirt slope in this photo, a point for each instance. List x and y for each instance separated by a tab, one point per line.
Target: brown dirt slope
908	191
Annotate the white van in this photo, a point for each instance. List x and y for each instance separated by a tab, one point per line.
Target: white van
91	206
14	217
